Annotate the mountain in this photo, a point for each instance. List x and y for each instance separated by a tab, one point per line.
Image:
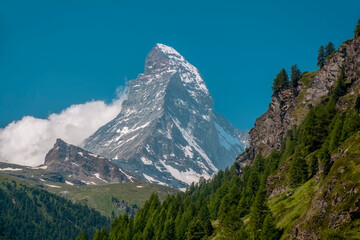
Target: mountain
167	131
78	166
299	178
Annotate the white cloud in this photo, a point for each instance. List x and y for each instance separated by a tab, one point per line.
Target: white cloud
27	141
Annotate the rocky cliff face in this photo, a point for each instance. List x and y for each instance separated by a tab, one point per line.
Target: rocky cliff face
289	105
325	206
78	166
167	131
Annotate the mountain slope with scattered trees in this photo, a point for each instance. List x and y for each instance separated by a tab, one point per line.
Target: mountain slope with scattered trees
28	212
302	184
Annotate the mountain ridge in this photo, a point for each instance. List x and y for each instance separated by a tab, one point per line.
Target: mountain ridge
82	167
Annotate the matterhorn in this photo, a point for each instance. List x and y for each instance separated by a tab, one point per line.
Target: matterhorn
167	131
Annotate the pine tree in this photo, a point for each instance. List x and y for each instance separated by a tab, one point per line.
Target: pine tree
325	158
82	236
350	126
329	49
298	171
204	217
101	235
208	228
241	234
295	75
340	88
169	230
186	218
321	57
269	231
314	165
280	80
195	230
149	231
357	104
336	127
357	29
258	212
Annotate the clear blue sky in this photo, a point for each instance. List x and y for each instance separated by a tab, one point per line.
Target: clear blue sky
57	53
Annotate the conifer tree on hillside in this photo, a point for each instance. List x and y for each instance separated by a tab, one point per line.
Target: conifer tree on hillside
357	29
258	212
169	230
326	160
314	165
269	231
298	171
357	104
195	230
295	75
82	236
321	57
329	49
280	80
340	88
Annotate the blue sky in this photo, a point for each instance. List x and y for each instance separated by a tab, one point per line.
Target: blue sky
57	53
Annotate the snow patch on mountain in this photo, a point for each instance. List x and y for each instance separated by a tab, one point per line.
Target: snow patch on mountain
189	176
226	139
167	131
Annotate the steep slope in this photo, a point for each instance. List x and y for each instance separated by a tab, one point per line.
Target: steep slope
167	131
243	136
28	212
325	204
78	166
290	105
299	182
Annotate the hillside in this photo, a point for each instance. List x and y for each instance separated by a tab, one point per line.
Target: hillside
28	212
299	178
112	199
108	199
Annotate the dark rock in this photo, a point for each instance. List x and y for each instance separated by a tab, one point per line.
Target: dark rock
78	166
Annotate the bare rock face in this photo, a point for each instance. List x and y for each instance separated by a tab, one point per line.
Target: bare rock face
82	167
271	128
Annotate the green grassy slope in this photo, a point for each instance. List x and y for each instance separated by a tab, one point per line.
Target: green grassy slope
99	197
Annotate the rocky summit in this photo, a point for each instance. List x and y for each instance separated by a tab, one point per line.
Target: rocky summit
78	166
167	131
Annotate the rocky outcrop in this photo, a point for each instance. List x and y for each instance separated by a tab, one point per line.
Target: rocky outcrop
78	166
271	128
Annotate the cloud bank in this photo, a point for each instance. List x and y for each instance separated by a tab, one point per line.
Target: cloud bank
27	141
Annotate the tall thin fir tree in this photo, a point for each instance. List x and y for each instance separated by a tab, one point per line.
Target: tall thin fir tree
329	49
357	29
357	104
321	57
280	80
295	75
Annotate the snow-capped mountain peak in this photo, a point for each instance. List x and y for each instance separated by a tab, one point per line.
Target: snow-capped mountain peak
167	131
163	58
168	50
